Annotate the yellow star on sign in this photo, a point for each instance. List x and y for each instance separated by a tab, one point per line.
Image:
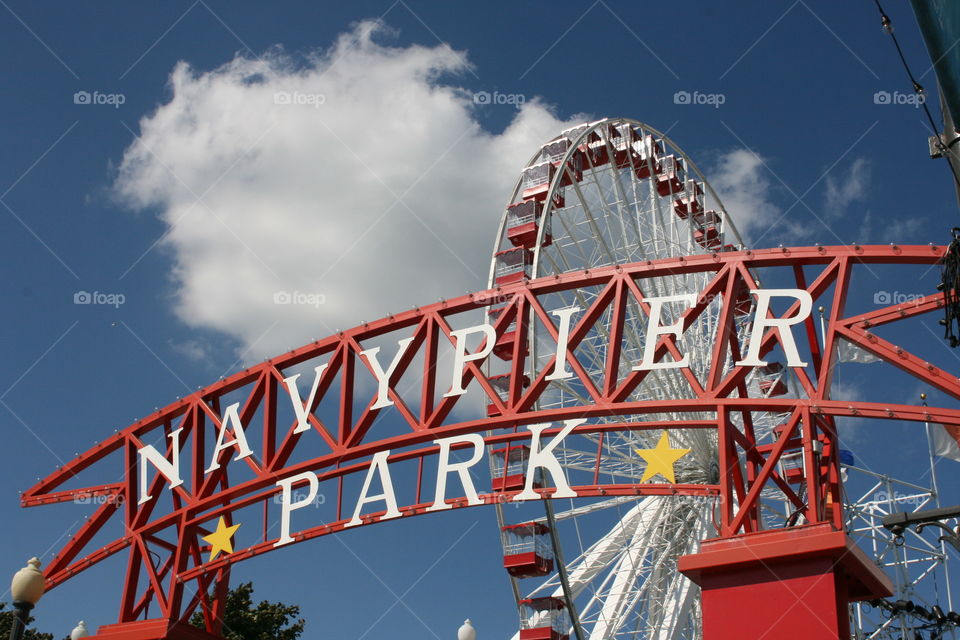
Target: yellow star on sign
220	540
661	459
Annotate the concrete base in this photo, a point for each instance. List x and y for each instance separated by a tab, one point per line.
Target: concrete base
784	584
157	629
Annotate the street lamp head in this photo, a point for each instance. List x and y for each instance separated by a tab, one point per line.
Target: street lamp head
28	584
466	631
80	631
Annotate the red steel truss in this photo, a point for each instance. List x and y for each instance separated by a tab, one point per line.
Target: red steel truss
168	566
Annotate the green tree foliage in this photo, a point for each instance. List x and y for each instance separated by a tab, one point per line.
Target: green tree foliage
6	622
265	621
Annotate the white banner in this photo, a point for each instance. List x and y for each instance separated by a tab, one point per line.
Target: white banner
946	441
849	352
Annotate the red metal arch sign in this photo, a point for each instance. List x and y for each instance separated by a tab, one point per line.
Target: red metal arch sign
348	412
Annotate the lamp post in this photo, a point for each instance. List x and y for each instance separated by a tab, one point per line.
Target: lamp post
26	589
79	631
466	631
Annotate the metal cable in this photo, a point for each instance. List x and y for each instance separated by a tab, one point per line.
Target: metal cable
918	89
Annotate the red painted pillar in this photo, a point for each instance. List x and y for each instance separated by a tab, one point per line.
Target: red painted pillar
782	584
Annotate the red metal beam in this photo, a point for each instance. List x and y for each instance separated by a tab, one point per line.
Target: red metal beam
747	465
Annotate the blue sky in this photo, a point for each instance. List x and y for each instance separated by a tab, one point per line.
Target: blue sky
800	144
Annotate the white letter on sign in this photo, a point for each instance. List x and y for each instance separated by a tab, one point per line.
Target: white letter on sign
563	337
169	470
461	358
287	504
444	467
378	464
231	420
383	377
545	458
655	330
761	323
302	410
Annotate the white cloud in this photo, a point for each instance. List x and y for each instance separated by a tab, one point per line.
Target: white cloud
851	429
851	186
192	349
848	392
353	184
740	180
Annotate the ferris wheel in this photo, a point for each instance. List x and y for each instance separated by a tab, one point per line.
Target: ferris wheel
604	193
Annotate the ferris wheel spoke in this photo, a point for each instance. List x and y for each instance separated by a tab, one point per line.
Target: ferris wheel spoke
591	508
576	243
599	237
630	247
